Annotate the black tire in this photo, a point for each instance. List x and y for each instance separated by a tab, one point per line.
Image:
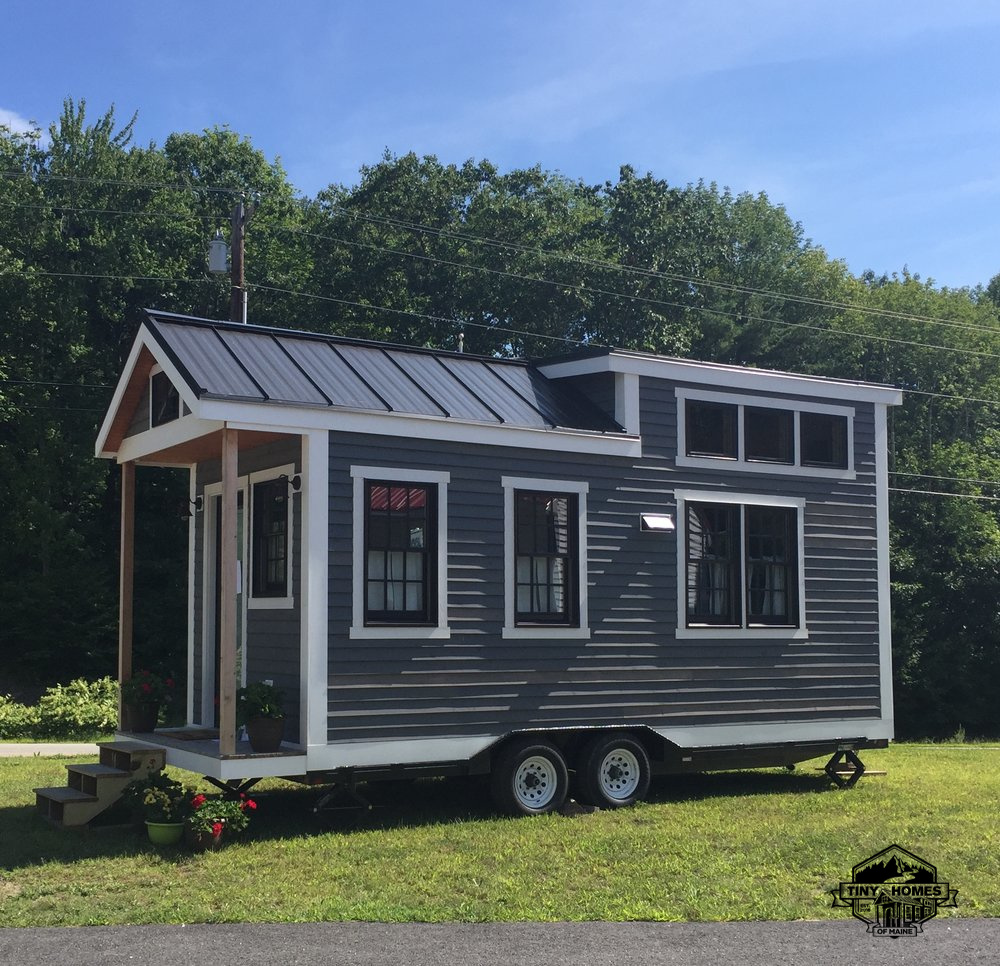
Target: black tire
529	778
613	771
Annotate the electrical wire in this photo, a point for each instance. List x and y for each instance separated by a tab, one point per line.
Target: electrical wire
956	496
118	182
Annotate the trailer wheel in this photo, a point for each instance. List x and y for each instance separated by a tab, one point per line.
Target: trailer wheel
530	778
614	771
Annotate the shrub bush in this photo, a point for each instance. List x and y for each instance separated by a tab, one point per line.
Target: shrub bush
17	720
79	709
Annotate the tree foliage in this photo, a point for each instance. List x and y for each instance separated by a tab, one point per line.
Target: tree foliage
94	227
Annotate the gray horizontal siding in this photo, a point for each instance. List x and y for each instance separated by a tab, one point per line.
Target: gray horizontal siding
632	669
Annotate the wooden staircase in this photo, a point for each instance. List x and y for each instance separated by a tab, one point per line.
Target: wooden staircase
90	789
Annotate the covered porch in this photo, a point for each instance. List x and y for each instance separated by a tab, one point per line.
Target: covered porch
214	748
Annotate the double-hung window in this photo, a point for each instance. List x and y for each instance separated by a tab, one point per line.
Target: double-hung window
740	561
545	558
400	540
399	551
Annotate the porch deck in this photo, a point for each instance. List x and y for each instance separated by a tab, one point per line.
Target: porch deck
196	749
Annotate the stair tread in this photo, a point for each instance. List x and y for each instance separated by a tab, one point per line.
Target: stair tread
124	746
61	793
99	771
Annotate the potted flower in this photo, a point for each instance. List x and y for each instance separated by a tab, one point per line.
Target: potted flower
212	818
142	696
260	709
162	803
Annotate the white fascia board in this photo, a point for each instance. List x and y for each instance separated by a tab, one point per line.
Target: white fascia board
263	417
728	377
174	433
143	339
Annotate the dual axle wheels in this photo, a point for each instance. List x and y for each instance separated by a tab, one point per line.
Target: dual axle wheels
531	776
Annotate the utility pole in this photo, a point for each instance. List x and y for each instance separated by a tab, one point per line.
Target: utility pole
238	295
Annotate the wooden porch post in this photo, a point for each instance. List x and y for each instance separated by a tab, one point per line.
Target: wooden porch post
125	580
227	598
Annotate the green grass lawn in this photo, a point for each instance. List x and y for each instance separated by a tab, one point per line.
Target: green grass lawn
726	846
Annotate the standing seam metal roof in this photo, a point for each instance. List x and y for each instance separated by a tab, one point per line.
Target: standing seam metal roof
223	360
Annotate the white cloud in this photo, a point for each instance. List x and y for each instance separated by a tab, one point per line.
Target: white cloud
15	122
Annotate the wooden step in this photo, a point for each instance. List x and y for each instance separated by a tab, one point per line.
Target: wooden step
132	756
67	806
98	780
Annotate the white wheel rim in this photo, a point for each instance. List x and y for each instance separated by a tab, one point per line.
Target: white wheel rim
620	773
535	782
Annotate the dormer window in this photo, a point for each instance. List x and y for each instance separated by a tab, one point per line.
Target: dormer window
164	400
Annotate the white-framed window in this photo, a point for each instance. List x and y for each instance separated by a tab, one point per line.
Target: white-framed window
740	565
270	542
717	430
545	558
400	553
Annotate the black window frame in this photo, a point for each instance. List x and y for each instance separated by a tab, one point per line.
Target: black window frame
828	430
163	407
695	444
783	432
731	571
270	547
569	615
426	615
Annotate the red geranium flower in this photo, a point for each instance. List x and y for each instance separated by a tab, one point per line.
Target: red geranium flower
217	828
197	801
169	682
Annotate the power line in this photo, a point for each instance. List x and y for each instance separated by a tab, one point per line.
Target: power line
950	479
525	249
118	182
653	273
956	496
39	382
457	323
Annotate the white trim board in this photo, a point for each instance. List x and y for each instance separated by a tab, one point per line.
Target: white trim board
725	377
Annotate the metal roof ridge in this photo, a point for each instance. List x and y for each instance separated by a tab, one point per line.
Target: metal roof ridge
199	322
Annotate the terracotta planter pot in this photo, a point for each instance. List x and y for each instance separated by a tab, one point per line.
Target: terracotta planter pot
165	833
265	734
140	717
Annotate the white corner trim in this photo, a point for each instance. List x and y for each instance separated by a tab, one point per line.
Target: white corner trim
511	629
627	402
314	588
709	631
882	541
395	474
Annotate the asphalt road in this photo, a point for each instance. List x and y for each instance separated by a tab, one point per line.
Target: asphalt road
945	942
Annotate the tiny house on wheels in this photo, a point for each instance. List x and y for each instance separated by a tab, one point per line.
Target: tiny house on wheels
608	564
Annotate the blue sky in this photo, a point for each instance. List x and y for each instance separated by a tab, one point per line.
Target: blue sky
875	122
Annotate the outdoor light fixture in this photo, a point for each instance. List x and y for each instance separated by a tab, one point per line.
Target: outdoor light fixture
197	503
658	522
295	482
